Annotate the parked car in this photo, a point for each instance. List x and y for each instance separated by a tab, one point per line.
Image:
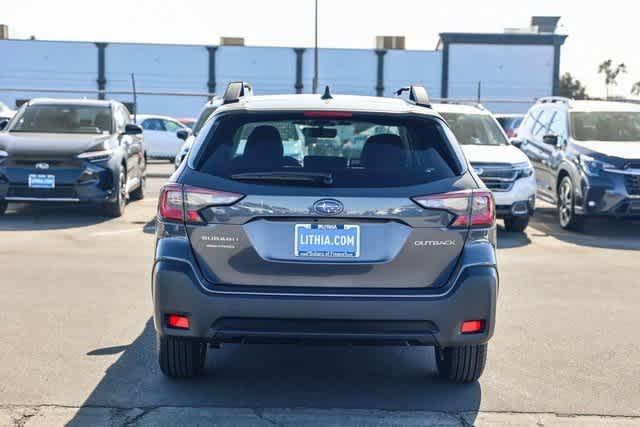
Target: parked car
189	137
68	150
6	113
160	135
504	169
586	155
510	123
394	246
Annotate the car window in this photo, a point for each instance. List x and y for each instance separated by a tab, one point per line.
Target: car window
121	118
475	129
153	124
558	124
365	152
541	123
60	118
171	126
606	126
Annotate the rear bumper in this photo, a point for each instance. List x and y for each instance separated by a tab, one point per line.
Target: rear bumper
419	319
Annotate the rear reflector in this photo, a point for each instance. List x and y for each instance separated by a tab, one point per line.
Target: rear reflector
328	114
182	203
472	326
177	321
472	208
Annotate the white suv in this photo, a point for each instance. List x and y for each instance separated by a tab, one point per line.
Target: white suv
502	167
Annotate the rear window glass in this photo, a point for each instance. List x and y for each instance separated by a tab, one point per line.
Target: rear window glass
475	129
363	151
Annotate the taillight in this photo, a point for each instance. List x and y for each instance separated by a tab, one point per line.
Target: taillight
472	208
170	203
183	203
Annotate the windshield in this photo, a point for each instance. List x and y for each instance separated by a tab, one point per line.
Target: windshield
295	150
202	119
475	129
605	126
42	118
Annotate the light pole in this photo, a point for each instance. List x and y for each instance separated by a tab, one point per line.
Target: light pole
315	54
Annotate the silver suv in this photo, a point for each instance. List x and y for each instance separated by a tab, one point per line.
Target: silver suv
278	228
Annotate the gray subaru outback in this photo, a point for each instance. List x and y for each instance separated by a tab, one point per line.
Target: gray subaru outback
333	218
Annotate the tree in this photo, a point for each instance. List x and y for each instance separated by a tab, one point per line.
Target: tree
611	74
571	88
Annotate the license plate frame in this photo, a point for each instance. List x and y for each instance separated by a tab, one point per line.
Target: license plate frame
42	181
347	245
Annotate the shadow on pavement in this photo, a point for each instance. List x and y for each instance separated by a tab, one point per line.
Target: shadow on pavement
30	217
285	376
510	240
604	232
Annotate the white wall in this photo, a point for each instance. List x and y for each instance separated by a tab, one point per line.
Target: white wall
159	68
402	68
506	72
348	71
50	65
270	69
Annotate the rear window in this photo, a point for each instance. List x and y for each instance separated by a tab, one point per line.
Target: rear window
362	151
475	129
509	122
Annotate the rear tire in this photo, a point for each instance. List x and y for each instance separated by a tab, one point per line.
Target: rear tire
566	206
3	207
516	224
461	364
181	357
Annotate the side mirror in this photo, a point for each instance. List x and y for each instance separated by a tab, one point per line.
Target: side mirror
550	140
3	123
515	142
183	134
131	129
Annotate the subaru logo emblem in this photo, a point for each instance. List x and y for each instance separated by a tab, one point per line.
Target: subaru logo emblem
42	165
478	171
328	207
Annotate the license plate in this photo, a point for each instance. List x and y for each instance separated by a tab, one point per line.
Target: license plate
42	181
327	240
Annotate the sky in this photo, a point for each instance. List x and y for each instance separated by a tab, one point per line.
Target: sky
597	30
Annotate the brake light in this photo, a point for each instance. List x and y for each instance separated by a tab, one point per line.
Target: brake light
170	203
472	208
472	326
177	321
328	114
183	203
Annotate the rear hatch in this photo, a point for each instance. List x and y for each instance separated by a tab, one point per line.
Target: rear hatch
333	215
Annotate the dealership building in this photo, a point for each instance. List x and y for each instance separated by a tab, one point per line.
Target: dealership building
506	71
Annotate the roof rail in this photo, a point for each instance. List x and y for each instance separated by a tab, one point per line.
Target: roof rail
417	94
554	99
235	91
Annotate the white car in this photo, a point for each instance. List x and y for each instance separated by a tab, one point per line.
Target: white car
160	136
504	169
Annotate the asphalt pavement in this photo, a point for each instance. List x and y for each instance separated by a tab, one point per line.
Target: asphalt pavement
77	343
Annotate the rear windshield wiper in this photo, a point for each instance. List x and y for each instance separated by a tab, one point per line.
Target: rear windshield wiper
309	177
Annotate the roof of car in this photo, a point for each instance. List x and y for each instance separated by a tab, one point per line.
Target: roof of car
583	105
460	108
588	105
309	102
71	101
154	116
